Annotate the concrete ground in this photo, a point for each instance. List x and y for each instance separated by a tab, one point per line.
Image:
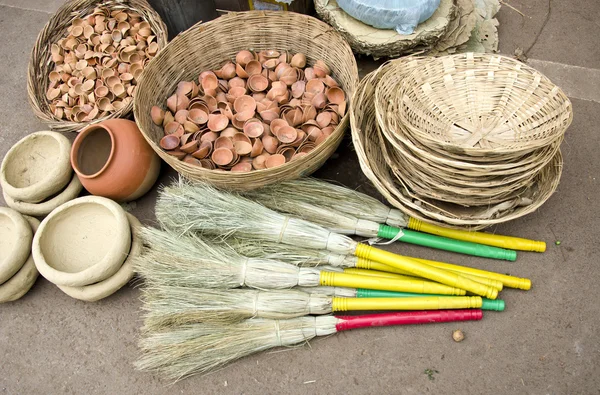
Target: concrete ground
546	342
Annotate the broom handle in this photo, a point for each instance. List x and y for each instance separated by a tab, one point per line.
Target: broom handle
419	303
444	243
348	322
423	270
336	279
487	304
380	268
513	243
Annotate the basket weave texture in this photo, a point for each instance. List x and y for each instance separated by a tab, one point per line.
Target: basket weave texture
439	185
208	46
40	62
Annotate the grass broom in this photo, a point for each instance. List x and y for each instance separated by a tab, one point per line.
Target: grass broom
317	207
170	259
201	208
168	306
201	348
309	257
340	198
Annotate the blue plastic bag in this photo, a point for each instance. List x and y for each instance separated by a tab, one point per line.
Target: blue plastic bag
400	15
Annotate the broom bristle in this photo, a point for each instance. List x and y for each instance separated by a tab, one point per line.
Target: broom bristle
171	306
186	260
201	348
201	208
336	197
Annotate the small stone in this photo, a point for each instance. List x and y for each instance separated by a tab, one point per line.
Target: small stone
458	335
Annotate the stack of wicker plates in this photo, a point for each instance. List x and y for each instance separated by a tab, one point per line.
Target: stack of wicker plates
465	140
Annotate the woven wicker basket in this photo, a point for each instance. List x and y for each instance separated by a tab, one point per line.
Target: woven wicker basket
481	105
209	45
378	157
40	63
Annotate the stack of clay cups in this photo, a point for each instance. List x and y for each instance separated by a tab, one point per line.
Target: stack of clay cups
17	270
36	174
87	247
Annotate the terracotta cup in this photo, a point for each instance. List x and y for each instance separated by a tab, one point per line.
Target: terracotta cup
112	159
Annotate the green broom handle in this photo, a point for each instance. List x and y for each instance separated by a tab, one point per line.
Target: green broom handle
444	243
514	243
487	304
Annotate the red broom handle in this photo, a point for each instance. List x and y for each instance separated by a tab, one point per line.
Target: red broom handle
347	322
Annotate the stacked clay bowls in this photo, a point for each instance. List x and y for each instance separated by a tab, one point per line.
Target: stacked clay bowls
112	159
17	270
36	176
85	243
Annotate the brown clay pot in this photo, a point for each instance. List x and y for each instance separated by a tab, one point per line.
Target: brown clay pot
112	159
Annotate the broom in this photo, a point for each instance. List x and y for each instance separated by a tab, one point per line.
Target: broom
201	208
201	348
168	306
340	198
169	259
318	208
308	257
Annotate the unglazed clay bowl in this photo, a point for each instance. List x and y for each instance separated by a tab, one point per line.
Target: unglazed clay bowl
82	242
22	281
105	288
45	207
36	167
112	159
15	242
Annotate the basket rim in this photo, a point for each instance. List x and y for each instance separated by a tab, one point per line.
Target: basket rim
240	177
40	53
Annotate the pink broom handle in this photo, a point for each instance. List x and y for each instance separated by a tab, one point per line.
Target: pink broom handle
348	322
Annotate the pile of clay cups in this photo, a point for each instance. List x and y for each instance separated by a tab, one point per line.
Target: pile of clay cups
87	247
17	269
36	174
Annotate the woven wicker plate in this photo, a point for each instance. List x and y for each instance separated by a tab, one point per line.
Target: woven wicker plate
372	150
481	104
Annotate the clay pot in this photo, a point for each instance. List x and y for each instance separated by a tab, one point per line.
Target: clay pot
112	159
22	281
44	208
36	167
82	242
15	242
105	288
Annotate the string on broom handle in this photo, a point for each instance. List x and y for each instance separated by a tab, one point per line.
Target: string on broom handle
365	264
405	318
419	303
335	279
445	243
426	271
487	304
513	243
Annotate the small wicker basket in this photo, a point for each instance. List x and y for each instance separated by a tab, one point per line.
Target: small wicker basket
207	46
40	62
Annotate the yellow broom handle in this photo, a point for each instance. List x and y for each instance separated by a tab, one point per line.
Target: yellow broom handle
509	242
335	279
363	264
420	269
417	303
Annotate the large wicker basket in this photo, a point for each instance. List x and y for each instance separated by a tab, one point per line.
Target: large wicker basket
207	46
40	62
378	161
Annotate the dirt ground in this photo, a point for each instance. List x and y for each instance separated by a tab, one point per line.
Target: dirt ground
546	342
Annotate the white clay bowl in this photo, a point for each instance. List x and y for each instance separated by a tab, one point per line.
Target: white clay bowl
105	288
15	242
44	208
22	281
36	167
82	242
